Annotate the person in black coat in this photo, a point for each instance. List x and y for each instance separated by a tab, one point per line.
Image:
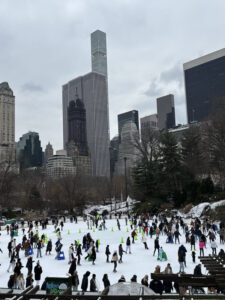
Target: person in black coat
12	281
79	253
84	284
198	270
49	247
37	273
29	280
121	253
93	287
156	243
133	278
107	253
73	267
29	265
17	269
93	255
167	286
106	281
156	286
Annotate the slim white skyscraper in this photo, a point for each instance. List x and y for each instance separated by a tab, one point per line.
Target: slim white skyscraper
99	52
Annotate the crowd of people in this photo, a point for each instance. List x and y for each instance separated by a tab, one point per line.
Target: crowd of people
199	232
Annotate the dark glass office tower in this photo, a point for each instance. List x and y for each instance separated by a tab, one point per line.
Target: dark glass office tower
204	84
77	125
166	112
128	116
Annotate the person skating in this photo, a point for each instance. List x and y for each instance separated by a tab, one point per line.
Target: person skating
37	273
58	249
93	255
106	281
182	252
115	260
49	247
73	267
39	249
10	248
192	241
193	255
144	241
29	265
213	246
176	235
107	253
201	247
121	251
79	253
168	270
156	245
84	284
133	234
128	245
70	252
20	282
12	262
12	281
93	285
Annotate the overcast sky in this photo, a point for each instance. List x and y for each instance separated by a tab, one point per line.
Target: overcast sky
46	43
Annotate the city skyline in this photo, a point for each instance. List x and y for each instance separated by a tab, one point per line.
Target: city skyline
36	62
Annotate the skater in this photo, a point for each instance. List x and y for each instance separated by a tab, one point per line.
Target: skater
106	281
121	253
182	252
39	249
193	255
176	235
75	281
213	246
49	247
79	253
192	241
29	265
84	284
37	273
168	270
201	247
93	255
10	248
93	286
156	244
114	260
58	249
144	241
70	252
118	224
128	245
73	267
107	253
133	234
12	262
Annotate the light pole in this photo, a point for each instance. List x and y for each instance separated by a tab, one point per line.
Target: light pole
125	174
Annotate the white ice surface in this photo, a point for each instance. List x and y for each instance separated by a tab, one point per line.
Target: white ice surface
140	262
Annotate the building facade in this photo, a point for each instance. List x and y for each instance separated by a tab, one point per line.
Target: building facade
126	117
114	151
166	112
127	149
29	151
92	89
99	52
204	85
149	123
7	124
48	152
60	165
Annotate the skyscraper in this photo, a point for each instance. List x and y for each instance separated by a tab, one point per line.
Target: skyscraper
204	84
7	123
92	89
99	52
48	152
29	151
128	116
166	112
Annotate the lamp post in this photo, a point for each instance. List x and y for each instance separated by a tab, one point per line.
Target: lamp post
125	174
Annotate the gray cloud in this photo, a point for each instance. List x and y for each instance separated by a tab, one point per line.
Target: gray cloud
175	73
32	87
154	90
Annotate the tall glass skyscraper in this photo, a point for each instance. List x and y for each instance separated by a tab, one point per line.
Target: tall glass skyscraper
204	85
99	52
